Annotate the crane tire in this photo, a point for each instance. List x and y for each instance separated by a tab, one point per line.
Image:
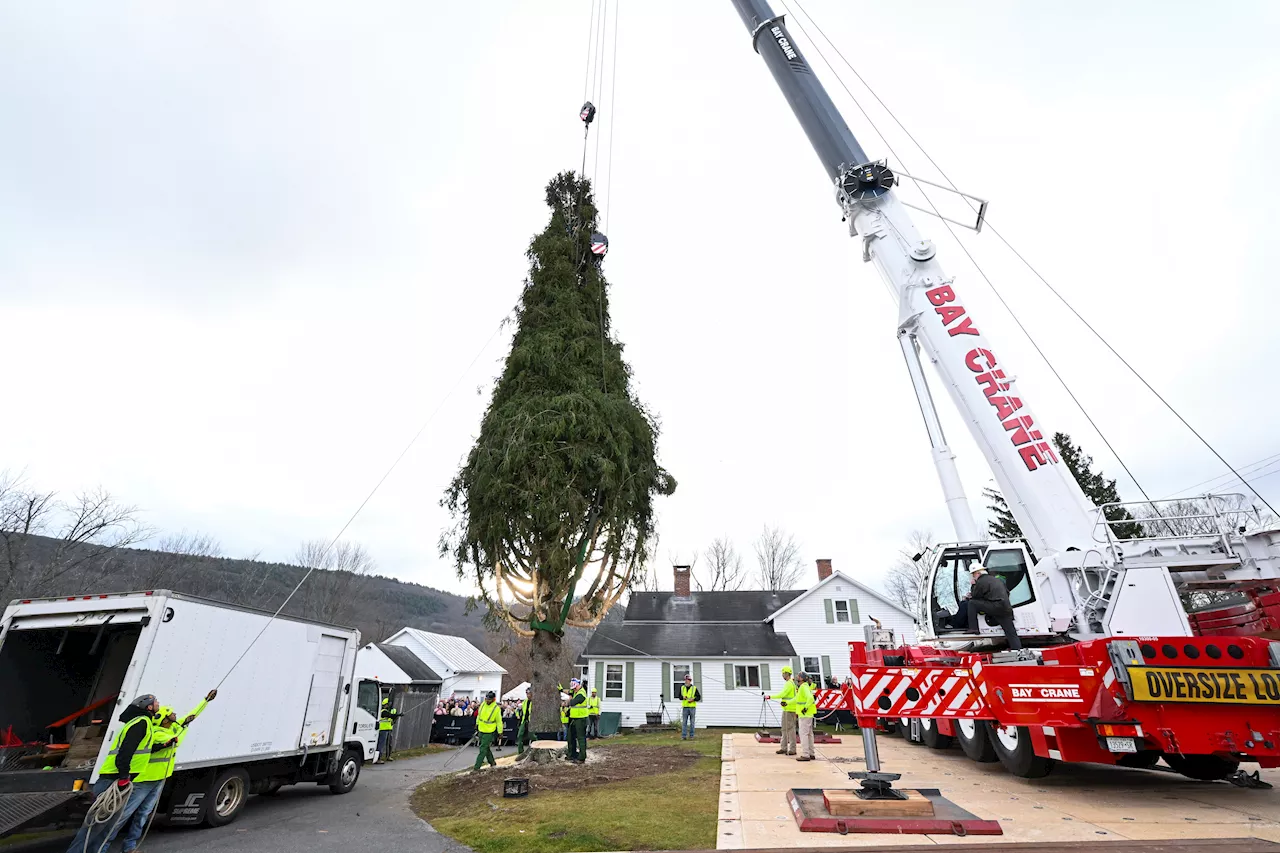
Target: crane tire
933	738
1013	748
974	737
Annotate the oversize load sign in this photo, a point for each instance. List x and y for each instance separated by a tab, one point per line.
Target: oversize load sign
1221	686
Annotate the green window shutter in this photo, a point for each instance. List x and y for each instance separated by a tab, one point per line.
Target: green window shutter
826	669
666	682
697	676
831	616
600	678
796	666
853	611
629	691
728	676
764	677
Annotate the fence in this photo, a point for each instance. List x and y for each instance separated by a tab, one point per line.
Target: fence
417	711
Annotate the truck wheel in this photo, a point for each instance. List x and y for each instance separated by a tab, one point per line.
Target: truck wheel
933	738
344	778
227	796
1204	768
975	741
1013	748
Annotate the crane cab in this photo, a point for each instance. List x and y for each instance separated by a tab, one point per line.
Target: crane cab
944	606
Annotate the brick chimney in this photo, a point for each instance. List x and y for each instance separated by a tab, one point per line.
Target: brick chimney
682	581
824	570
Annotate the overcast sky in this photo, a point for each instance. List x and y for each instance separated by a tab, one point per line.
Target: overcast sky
247	249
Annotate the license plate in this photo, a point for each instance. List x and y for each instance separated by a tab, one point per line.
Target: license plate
1122	744
1219	686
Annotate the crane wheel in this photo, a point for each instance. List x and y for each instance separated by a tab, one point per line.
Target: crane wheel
1203	768
904	726
933	738
1013	748
975	740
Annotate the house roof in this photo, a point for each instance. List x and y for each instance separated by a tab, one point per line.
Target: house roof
704	607
409	663
860	587
458	654
689	640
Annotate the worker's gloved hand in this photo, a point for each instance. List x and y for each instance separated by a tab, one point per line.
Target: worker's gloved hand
211	695
188	720
120	783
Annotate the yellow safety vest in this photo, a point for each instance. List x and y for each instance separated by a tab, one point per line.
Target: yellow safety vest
786	695
593	705
564	715
580	711
385	721
141	757
489	719
804	704
687	692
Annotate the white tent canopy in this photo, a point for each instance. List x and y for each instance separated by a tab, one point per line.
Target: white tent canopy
520	691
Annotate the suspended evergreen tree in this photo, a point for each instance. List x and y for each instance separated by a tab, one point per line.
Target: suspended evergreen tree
553	507
1096	487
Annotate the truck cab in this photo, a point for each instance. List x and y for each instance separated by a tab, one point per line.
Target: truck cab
948	583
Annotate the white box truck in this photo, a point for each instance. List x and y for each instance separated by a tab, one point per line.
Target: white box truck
290	712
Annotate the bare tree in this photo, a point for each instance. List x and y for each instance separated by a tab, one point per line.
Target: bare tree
175	555
1195	516
778	558
723	571
84	530
341	572
910	570
645	578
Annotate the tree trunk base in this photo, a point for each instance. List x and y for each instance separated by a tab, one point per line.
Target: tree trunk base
549	752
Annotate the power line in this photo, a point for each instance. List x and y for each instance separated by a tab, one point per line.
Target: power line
965	249
1253	468
1036	273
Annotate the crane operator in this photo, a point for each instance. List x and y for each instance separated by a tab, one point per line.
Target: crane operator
990	597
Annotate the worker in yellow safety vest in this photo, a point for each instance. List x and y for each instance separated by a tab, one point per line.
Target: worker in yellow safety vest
579	711
488	726
593	719
690	696
386	724
786	696
564	720
805	703
168	735
523	735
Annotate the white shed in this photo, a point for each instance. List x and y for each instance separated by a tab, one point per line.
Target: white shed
464	670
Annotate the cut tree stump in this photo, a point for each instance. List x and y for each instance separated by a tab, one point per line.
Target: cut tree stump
544	752
846	803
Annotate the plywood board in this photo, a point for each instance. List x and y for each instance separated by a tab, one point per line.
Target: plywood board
847	803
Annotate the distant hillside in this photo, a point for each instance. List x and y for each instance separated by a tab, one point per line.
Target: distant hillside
378	606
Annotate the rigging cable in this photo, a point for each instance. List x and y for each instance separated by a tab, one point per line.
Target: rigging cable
613	112
586	84
604	23
1034	272
1054	370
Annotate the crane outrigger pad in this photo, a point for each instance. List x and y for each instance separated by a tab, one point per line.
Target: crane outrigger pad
818	737
810	810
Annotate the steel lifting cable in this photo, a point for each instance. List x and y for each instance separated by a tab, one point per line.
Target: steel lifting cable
334	541
1054	370
613	112
1034	272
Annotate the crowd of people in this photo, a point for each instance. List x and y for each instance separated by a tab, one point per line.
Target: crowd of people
465	706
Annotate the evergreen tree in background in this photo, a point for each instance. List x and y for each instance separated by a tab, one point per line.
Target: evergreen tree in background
553	507
1096	487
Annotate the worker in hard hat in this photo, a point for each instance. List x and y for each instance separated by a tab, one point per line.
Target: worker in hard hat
128	757
990	597
168	736
489	728
786	696
579	711
806	706
386	725
690	696
593	718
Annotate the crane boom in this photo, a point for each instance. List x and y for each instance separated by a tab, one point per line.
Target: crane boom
1042	494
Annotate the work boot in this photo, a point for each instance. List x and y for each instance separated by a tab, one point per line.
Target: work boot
791	752
805	758
781	752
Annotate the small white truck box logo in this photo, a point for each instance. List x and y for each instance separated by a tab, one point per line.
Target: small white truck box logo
1045	692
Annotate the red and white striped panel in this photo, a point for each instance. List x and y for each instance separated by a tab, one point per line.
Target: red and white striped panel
830	700
911	692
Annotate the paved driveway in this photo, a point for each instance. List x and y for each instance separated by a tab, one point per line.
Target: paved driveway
309	819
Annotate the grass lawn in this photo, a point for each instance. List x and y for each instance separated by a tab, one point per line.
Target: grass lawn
429	749
653	792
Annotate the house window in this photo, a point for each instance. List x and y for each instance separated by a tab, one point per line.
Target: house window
843	610
582	673
813	668
746	676
613	681
678	672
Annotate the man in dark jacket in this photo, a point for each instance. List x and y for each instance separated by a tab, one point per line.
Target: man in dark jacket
990	597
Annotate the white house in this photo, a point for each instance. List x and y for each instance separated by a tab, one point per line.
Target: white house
734	644
395	665
464	670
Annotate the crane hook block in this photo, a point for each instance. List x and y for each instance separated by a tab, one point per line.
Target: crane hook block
588	112
599	245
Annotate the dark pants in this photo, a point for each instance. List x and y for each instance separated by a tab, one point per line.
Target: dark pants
577	749
593	725
486	753
522	737
1000	614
